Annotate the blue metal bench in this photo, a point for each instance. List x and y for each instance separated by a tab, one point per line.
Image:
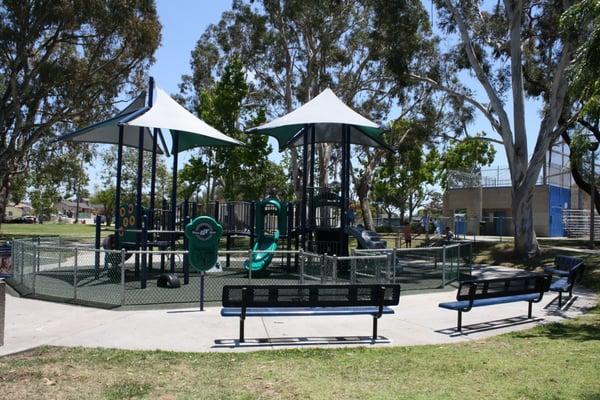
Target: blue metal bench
489	292
309	300
568	270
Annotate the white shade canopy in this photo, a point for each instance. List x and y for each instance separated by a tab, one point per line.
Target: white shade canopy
166	113
327	113
108	131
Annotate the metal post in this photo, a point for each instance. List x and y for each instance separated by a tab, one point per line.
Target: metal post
139	184
202	291
249	266
344	199
323	266
22	260
458	261
444	266
334	265
593	195
252	222
97	247
394	265
186	258
122	276
388	265
175	152
75	260
353	270
301	255
151	223
144	276
118	187
304	184
36	268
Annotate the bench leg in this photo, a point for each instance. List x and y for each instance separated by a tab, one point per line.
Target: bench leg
459	322
529	310
559	299
242	330
374	328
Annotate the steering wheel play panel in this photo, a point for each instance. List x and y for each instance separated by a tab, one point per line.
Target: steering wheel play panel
203	235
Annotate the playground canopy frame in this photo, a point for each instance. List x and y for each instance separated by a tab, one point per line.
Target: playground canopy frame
187	131
324	119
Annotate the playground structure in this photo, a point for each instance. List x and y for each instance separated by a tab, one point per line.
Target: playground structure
284	242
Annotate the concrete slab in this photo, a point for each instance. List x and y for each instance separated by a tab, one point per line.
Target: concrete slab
418	320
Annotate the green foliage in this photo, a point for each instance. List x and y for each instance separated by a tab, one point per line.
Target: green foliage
583	18
241	172
129	173
62	65
406	178
106	197
56	170
466	155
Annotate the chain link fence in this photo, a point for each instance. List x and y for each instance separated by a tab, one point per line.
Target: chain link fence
47	269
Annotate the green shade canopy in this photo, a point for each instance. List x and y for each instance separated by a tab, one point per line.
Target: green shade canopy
107	131
327	113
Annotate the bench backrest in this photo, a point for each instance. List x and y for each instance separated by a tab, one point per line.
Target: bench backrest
501	287
311	295
567	263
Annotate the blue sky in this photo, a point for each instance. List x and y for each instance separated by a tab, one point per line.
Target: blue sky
183	21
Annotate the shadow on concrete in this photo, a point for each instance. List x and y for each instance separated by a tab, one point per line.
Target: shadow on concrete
299	341
488	326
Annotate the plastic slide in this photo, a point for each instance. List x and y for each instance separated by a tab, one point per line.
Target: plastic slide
262	252
366	239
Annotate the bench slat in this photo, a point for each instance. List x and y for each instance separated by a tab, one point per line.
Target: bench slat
461	305
297	311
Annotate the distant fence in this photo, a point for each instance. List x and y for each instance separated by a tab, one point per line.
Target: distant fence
47	269
577	223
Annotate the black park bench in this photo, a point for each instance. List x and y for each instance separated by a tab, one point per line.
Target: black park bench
568	270
309	300
489	292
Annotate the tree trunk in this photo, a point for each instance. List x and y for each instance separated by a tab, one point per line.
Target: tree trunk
526	244
4	190
366	213
325	150
294	173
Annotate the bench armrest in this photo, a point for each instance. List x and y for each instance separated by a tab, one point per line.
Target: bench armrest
544	287
470	295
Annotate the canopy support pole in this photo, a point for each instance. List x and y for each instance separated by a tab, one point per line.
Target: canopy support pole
150	220
153	191
304	185
311	211
345	180
118	187
138	201
175	152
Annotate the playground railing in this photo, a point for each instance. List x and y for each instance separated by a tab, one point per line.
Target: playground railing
426	267
49	268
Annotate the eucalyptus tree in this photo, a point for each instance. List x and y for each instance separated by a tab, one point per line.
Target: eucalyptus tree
65	62
293	49
584	17
513	49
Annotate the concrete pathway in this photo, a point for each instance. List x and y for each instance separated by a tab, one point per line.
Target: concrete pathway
418	320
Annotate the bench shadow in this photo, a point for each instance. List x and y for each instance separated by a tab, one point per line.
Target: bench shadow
553	308
488	326
299	341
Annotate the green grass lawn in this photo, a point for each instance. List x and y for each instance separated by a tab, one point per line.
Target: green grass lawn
8	231
555	361
558	361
